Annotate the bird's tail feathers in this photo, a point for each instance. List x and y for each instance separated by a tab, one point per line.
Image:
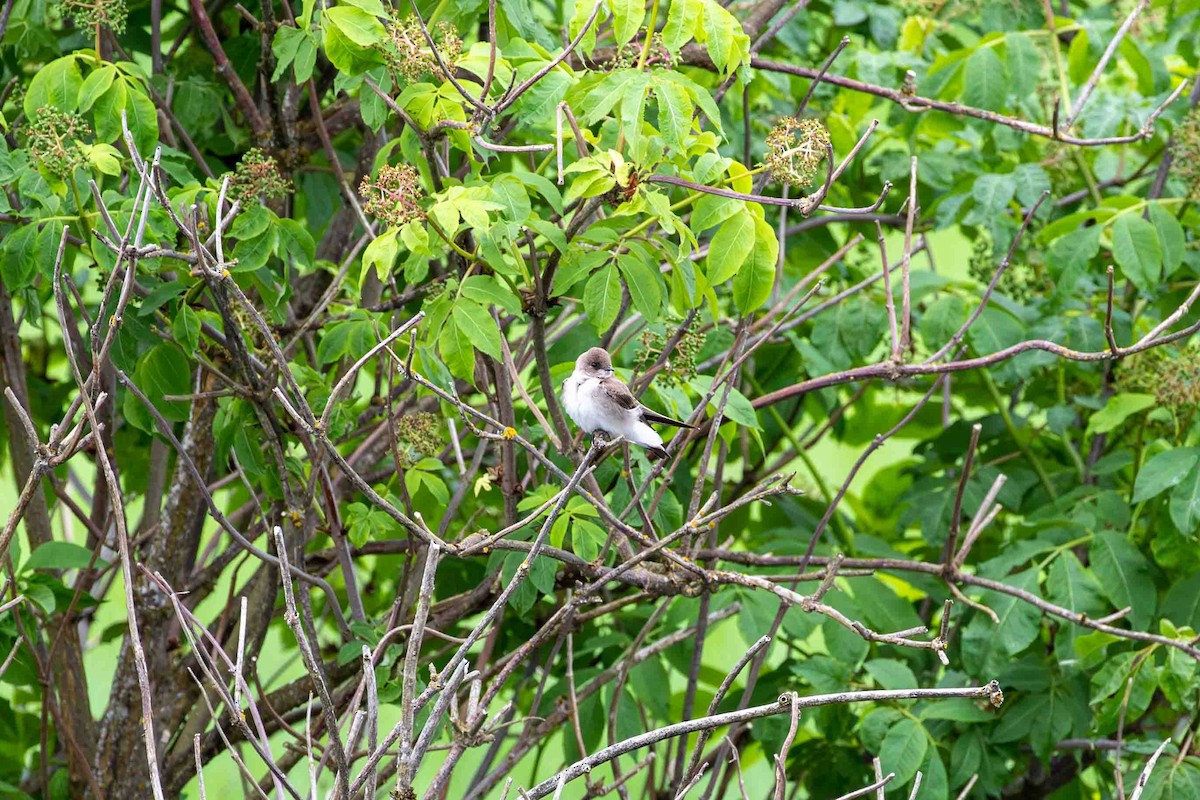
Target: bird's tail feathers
651	416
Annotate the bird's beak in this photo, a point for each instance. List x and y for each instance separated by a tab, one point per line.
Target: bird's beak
608	373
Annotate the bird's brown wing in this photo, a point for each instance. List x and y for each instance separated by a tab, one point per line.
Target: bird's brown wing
618	393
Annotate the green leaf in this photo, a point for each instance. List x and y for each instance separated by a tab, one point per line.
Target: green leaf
993	192
284	47
1019	621
644	283
985	79
681	26
1070	255
754	279
674	113
186	329
731	245
1182	603
478	326
106	112
1024	64
1124	575
306	58
1137	251
890	673
358	26
141	115
1071	586
1170	236
163	370
19	256
739	409
1119	408
728	45
456	351
942	319
1185	502
488	289
627	17
1163	471
61	555
602	298
380	255
95	85
56	85
903	749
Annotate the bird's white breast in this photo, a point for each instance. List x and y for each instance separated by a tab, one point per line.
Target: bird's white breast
579	402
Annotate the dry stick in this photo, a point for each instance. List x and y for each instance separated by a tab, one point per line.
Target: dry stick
916	786
558	717
408	680
1119	779
895	372
1108	314
1094	78
313	665
340	386
511	366
126	557
437	56
784	704
967	579
187	620
490	615
781	756
233	751
880	782
876	443
1145	776
964	476
515	94
697	57
889	300
980	521
446	697
199	766
966	790
905	266
164	428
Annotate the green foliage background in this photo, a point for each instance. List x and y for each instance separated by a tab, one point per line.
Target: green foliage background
330	118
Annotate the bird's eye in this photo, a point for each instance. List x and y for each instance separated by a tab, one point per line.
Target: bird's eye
596	364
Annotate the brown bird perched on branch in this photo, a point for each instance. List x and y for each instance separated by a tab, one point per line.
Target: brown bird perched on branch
597	400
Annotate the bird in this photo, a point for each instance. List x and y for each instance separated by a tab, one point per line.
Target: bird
598	401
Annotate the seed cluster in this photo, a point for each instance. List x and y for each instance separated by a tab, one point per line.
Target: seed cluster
1020	281
631	52
110	14
1172	376
258	175
393	195
1185	154
680	365
795	148
418	435
406	50
54	140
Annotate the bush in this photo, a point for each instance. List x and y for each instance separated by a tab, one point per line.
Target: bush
288	295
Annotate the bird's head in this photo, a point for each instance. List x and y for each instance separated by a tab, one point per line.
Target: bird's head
595	363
